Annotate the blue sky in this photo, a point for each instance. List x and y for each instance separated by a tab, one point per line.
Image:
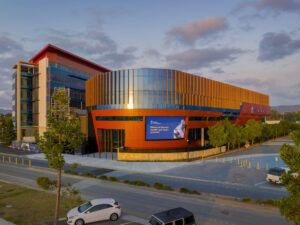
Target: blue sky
254	44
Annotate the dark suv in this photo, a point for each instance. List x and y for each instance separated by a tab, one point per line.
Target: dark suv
176	216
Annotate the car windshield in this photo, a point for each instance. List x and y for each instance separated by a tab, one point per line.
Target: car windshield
84	207
276	172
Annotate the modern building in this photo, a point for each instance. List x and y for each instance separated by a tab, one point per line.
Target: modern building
144	110
34	82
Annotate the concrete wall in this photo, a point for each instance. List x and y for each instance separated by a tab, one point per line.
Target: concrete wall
43	64
176	156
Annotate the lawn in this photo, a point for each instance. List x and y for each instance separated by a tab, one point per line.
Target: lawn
24	206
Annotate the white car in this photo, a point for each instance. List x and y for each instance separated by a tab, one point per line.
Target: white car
94	210
274	175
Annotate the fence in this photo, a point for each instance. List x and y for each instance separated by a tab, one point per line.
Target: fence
172	156
16	160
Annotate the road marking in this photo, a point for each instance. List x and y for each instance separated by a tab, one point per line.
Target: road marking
125	223
259	183
215	181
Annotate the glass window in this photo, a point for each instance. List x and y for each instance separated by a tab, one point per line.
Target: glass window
84	207
189	220
179	222
154	221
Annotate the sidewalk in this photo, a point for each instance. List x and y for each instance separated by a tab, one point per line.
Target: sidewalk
145	167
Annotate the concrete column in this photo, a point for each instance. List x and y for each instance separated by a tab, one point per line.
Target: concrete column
202	136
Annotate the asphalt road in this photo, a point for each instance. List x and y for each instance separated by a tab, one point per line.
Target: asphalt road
140	203
227	178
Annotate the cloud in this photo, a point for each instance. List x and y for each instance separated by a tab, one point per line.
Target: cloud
199	58
189	33
274	46
11	51
273	6
94	45
115	60
279	92
217	70
249	82
89	43
278	5
7	45
152	53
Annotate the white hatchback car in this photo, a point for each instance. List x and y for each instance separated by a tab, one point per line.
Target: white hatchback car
94	210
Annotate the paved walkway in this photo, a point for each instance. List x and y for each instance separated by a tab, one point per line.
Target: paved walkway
263	154
147	167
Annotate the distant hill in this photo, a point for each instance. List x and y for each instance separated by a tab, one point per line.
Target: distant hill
286	108
4	111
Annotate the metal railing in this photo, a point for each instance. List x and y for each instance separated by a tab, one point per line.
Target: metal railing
15	160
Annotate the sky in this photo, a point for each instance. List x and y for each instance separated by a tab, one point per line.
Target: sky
254	44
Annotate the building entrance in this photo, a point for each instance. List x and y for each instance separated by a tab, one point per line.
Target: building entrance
110	140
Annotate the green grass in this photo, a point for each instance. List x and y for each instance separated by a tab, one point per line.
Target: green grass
30	206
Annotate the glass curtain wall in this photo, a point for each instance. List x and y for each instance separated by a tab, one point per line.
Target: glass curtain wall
74	80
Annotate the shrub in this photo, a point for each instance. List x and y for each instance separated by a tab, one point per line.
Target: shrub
71	172
114	179
73	169
187	191
246	200
88	174
161	186
45	183
103	177
72	194
136	182
267	202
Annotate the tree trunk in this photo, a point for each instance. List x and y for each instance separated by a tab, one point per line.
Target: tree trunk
228	146
57	197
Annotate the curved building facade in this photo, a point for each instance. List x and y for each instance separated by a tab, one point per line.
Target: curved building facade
161	109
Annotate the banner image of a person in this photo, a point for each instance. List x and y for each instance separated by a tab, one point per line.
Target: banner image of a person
179	130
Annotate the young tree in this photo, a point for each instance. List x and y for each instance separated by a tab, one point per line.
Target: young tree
240	136
7	131
231	131
252	130
217	135
266	132
285	126
63	127
290	205
295	135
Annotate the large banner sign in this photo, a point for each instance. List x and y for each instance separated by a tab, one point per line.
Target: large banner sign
165	127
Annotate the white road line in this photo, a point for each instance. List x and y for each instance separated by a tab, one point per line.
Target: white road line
125	223
259	183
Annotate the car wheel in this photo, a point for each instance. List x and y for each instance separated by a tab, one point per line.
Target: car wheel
79	222
114	217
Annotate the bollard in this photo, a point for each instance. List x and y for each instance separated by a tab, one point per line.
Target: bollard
9	159
29	163
3	159
257	165
249	165
16	161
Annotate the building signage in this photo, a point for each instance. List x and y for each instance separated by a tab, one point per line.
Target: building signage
165	127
